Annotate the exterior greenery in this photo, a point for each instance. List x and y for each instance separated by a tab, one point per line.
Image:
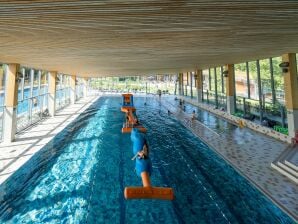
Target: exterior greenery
141	84
265	72
259	94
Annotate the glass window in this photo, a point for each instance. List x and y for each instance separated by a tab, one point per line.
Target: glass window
194	85
32	97
62	91
253	80
2	97
80	86
44	82
21	80
241	86
2	84
24	92
211	79
241	80
219	79
265	105
59	81
206	85
36	79
223	80
206	79
266	80
211	92
145	84
278	80
27	82
221	96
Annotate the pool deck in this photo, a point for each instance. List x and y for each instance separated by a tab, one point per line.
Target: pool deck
31	140
250	153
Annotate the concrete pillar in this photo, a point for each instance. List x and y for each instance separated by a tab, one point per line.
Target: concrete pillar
11	101
291	92
230	88
85	87
191	93
52	92
72	83
180	84
199	84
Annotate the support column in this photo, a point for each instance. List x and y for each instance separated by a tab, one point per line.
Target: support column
191	93
85	90
72	89
52	93
247	80
180	84
215	88
185	86
230	88
11	101
199	84
291	92
260	90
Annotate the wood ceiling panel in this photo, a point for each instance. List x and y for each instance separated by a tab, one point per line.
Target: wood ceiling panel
116	37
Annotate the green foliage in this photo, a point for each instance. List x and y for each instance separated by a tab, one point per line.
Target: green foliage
280	129
264	72
238	114
264	67
128	84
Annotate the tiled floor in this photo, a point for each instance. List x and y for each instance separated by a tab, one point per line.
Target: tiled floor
15	154
250	153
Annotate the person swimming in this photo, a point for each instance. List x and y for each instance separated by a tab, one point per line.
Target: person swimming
144	153
193	117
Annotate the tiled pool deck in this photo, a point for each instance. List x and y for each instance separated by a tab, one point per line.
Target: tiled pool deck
249	152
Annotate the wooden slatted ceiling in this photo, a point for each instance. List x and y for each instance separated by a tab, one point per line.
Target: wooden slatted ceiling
139	37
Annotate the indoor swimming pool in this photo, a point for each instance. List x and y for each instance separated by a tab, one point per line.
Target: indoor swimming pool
79	177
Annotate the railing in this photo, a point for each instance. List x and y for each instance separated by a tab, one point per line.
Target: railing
62	98
210	98
31	110
274	113
79	91
2	109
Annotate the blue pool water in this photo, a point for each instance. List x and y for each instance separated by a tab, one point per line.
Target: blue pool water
80	175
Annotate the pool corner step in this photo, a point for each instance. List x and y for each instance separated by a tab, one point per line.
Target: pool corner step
284	165
292	165
287	168
292	160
